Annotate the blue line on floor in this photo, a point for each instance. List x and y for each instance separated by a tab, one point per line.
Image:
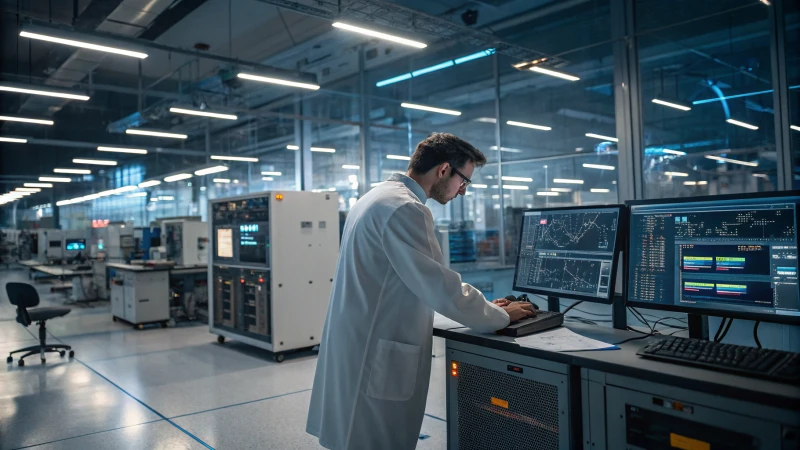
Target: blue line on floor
89	434
434	417
143	403
240	404
110	358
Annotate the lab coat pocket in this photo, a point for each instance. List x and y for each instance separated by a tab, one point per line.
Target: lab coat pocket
394	371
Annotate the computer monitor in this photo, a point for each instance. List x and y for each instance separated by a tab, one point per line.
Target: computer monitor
733	256
569	252
76	244
54	243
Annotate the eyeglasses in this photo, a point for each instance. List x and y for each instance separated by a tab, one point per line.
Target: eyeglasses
464	180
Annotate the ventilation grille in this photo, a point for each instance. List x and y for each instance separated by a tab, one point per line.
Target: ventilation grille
502	411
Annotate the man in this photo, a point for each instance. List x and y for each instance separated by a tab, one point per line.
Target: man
374	362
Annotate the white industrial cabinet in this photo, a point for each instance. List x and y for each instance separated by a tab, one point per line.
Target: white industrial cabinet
273	258
140	296
186	241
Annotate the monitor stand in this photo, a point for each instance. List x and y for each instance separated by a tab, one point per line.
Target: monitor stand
619	317
553	304
698	326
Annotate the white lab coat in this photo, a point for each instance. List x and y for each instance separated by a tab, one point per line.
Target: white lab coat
374	361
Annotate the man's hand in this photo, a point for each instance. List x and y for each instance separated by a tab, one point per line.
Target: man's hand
519	310
501	302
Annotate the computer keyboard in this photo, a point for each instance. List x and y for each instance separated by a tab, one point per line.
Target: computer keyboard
544	320
774	365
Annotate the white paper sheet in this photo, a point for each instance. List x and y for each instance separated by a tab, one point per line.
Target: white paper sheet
562	340
443	323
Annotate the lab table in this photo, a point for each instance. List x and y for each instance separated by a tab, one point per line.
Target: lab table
503	395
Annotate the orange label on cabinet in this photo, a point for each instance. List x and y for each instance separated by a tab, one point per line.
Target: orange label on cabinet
500	403
686	443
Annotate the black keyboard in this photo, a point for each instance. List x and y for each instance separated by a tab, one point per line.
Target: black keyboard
774	365
544	320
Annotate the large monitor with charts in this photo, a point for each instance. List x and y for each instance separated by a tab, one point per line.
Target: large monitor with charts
733	256
570	252
76	244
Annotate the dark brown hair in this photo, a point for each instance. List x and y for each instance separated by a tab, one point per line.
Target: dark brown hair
440	148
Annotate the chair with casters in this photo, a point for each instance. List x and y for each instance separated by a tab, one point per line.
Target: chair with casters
24	296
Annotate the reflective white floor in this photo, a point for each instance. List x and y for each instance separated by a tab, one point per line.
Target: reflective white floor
169	388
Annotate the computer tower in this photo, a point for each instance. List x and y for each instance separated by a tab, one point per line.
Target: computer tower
272	259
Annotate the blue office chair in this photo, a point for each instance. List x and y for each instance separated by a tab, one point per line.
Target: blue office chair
24	296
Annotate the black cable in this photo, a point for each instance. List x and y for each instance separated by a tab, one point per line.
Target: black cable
637	331
755	333
719	330
571	306
632	339
640	318
727	327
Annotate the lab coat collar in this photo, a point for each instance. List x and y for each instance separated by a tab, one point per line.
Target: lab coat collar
412	185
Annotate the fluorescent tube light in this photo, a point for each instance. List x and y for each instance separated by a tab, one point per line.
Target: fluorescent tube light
430	69
600	190
55	179
40	185
293	147
14	140
178	177
403	77
149	183
378	34
193	112
561	189
757	175
209	170
547	193
486	119
554	73
222	180
27	189
600	136
155	133
598	166
138	151
567	181
523	179
515	187
44	93
672	104
272	174
528	125
794	127
350	166
77	171
267	179
431	109
323	150
400	157
677	174
673	152
98	162
478	186
166	198
26	120
137	194
474	56
248	76
506	149
732	161
742	124
86	45
234	158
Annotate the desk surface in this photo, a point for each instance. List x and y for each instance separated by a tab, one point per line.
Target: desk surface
30	263
60	271
625	362
143	268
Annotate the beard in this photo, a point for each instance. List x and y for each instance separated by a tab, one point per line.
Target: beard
439	191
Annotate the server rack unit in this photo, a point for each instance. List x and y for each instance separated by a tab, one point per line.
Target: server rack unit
271	266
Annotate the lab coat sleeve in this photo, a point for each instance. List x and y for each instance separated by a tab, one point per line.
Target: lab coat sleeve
414	253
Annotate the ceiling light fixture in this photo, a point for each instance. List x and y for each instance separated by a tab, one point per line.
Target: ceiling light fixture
515	187
272	174
672	104
40	185
98	162
794	127
55	179
7	88
248	76
547	193
528	125
485	120
554	73
76	171
221	180
741	124
600	136
567	181
26	120
600	190
523	179
234	158
350	167
267	179
676	174
293	147
506	149
137	151
323	150
379	35
732	161
86	45
399	157
137	194
431	109
27	189
208	170
155	133
14	140
178	177
561	189
598	166
193	112
479	186
673	152
150	183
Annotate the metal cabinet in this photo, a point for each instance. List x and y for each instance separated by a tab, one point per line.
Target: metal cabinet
144	297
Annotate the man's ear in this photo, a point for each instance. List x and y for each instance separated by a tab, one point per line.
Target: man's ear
443	168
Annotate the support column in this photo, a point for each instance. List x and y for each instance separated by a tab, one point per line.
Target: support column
780	95
363	112
498	143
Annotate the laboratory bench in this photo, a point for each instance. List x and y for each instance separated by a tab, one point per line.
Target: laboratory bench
503	395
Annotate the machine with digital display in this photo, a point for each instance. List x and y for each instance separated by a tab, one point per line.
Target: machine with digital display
75	244
185	241
273	257
50	244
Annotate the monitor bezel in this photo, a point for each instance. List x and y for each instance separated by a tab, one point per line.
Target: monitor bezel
622	222
772	318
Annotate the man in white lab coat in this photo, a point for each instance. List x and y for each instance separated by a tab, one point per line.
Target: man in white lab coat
374	361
